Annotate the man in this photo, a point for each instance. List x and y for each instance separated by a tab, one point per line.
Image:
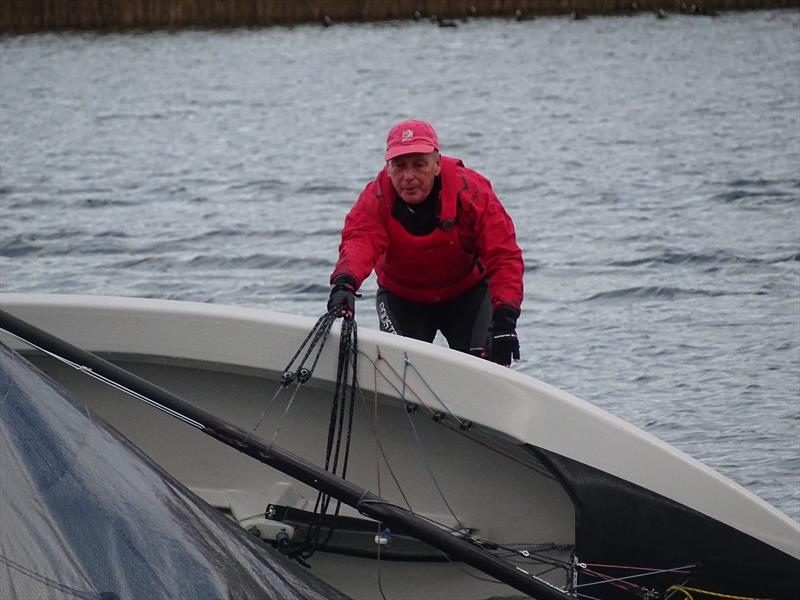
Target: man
443	248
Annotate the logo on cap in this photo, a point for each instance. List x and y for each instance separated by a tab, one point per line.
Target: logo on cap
408	135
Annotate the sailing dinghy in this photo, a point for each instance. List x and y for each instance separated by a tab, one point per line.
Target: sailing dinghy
581	503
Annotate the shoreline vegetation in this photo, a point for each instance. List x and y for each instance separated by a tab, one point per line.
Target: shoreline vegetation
33	16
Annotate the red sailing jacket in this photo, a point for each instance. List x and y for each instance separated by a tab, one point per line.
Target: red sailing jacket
475	239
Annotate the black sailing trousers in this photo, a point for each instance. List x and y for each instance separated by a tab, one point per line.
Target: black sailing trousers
463	321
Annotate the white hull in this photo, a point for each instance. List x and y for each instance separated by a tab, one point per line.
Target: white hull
506	478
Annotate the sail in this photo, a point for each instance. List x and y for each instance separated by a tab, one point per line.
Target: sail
85	514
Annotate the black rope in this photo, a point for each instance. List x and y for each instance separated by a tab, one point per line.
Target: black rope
319	332
352	354
339	438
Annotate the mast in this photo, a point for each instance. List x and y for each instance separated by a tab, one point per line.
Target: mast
364	501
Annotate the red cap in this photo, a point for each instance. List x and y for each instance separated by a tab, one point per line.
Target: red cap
410	137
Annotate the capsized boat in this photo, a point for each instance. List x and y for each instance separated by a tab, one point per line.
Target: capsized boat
555	486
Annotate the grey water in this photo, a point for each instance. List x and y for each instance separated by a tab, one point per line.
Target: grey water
652	168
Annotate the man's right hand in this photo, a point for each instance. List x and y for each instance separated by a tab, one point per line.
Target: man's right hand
343	296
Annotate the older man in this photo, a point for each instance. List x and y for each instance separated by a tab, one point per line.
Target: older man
443	248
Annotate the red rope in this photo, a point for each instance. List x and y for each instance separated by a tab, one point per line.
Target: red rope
377	469
624	585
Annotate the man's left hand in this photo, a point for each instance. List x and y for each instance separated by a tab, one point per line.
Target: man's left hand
503	335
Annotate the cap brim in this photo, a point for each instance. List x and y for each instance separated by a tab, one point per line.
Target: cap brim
410	149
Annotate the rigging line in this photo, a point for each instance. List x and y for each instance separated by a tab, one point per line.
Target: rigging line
264	412
471	435
51	583
541	547
474	435
419	443
405	385
323	323
532	559
587	596
458	534
623	585
283	416
424	454
110	382
306	548
350	352
459	566
526	554
348	339
483	544
380	446
323	501
321	346
305	341
324	326
430	389
532	556
337	414
332	418
339	400
517	460
375	433
631	568
627	578
352	355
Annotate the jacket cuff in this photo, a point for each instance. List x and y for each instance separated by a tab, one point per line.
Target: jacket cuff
343	280
504	317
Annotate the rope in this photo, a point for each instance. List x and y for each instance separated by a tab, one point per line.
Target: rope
686	591
472	435
340	425
625	581
378	446
508	552
630	568
314	329
424	454
534	556
318	332
430	389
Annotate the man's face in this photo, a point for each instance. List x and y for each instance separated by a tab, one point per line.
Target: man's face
413	175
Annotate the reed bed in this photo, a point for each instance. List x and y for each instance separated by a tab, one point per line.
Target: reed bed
24	16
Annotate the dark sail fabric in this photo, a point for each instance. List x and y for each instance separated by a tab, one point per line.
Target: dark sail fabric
84	514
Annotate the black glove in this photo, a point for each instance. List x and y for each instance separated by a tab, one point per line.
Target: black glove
343	296
503	335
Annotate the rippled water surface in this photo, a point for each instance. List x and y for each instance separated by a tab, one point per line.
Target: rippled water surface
652	168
